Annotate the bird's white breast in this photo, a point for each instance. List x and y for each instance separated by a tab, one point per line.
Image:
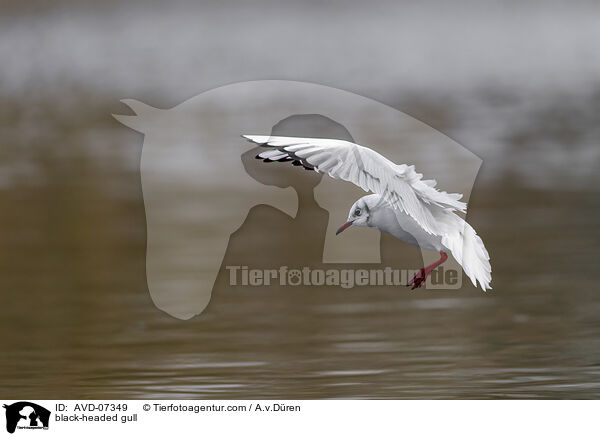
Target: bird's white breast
404	227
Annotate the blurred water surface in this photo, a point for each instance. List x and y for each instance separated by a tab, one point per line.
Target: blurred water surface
76	319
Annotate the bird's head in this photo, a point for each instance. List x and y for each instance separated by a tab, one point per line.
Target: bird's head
361	212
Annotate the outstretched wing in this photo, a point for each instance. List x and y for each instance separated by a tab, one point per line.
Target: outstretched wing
400	185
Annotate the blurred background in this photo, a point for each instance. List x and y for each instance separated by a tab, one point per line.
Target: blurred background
517	83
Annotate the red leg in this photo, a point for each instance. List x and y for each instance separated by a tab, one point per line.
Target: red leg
419	278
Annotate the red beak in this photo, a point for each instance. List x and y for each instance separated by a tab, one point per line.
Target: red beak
343	227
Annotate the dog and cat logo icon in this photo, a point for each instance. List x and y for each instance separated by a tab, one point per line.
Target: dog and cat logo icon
26	415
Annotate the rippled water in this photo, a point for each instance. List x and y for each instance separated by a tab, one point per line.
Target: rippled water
77	321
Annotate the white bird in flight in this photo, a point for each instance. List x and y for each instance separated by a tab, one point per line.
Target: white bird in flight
402	204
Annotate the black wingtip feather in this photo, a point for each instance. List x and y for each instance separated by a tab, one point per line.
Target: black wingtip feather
295	162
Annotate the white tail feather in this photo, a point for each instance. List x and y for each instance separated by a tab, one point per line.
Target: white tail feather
468	249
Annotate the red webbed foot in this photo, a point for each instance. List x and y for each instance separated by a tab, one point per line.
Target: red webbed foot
419	278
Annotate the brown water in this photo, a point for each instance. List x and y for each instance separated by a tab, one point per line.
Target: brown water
76	319
516	84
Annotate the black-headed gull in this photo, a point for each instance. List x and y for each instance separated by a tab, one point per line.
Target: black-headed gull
403	205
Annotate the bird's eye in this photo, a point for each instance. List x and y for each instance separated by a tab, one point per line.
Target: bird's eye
357	212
